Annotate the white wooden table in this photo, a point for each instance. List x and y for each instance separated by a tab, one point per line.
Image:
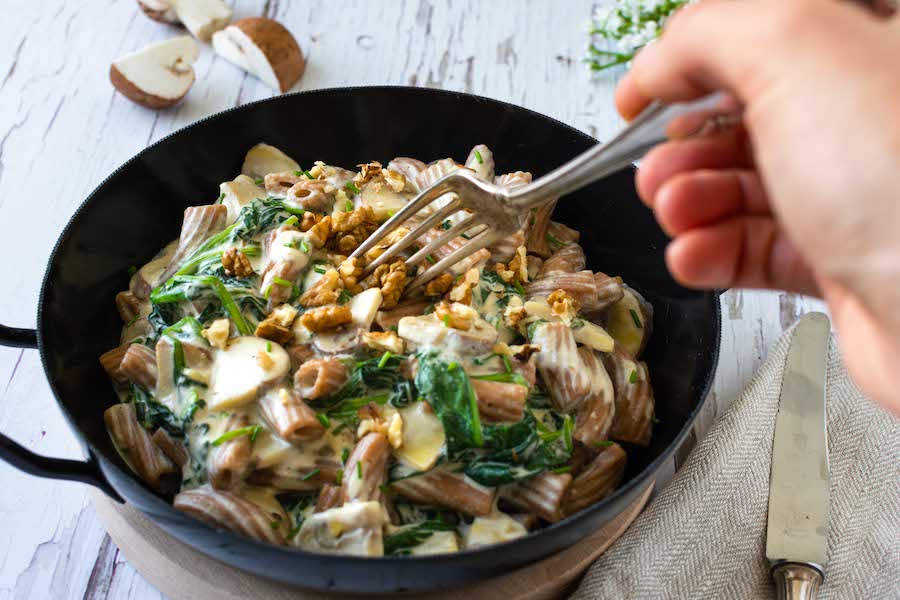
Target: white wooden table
63	129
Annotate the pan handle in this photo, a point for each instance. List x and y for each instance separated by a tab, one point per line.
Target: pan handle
17	455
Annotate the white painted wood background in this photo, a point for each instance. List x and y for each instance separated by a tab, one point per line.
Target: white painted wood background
63	129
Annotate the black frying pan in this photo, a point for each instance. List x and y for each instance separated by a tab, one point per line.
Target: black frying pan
138	209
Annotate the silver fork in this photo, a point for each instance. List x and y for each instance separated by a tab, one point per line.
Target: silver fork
495	213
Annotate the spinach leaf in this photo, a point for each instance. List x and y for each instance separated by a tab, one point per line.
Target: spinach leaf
449	392
407	538
182	288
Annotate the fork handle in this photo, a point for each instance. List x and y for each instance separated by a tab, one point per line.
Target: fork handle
650	128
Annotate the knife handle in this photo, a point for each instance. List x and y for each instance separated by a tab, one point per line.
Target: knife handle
796	581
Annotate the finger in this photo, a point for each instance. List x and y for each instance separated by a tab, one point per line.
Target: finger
725	150
703	198
746	252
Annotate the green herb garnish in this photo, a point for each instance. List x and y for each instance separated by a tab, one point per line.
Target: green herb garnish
352	187
311	474
478	157
323	419
384	359
359	469
339	477
251	430
635	318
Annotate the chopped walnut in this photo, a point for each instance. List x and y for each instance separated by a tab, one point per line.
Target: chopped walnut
348	243
502	348
524	352
504	273
384	420
462	289
519	265
326	318
351	228
384	341
236	263
389	240
217	333
310	219
318	233
326	290
367	172
439	285
320	170
456	315
396	181
513	315
351	270
373	172
391	278
276	326
563	305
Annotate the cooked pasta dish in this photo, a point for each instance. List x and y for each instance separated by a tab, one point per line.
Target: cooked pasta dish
273	391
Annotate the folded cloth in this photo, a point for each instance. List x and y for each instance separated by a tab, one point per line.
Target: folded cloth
704	536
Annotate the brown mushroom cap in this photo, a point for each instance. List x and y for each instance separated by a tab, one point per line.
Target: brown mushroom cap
279	47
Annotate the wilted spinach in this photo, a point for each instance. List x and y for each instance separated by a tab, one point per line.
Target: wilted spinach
446	387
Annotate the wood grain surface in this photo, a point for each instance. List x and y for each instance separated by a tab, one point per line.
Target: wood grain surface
63	129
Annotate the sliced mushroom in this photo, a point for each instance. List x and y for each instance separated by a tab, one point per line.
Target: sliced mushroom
159	10
242	369
263	159
427	331
201	17
264	48
439	542
382	198
423	437
239	193
364	307
630	321
157	76
497	528
481	160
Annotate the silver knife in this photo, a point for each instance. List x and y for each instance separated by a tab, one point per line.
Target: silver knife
797	533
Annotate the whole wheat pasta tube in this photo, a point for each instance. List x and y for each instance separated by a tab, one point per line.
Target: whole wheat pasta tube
138	449
597	480
230	461
568	259
499	401
561	366
366	469
543	494
635	406
449	490
139	366
596	413
320	377
232	512
200	222
290	417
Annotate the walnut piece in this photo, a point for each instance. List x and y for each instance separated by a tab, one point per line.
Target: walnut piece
326	290
524	352
390	278
351	228
367	172
318	233
519	265
439	285
326	318
513	315
563	305
351	270
310	219
384	341
217	333
462	289
389	240
455	315
504	273
384	420
236	263
276	326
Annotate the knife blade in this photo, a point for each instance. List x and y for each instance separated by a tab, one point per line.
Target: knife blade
798	494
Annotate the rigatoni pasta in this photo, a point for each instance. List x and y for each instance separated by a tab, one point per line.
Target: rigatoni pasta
275	392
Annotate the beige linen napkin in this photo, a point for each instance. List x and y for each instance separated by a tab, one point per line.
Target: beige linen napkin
704	536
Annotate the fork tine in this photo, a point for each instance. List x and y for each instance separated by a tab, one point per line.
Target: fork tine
440	187
461	227
485	238
413	235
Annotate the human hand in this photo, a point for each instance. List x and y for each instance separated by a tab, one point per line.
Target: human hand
803	197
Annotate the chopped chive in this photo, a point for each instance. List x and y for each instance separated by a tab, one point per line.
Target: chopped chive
267	292
304	246
268	346
221	197
635	318
339	428
258	181
395	329
348	207
308	175
275	524
324	420
561	470
352	187
506	364
446	320
464	236
311	474
251	430
633	377
532	219
359	469
291	221
319	270
446	225
519	287
452	366
298	173
478	157
430	259
654	420
132	270
390	214
345	454
339	477
293	210
282	282
554	240
384	359
603	443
